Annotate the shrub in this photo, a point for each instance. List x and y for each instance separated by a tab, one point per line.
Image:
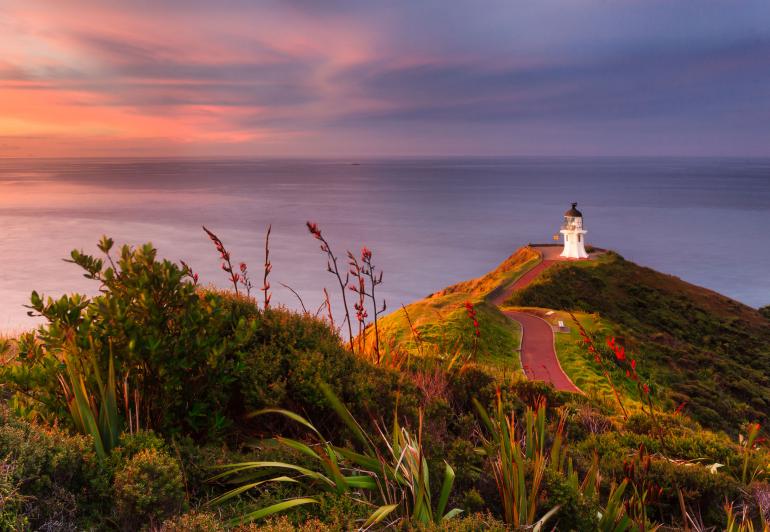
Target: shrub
765	311
576	512
479	522
11	500
283	524
175	346
148	489
57	475
701	489
288	358
193	522
189	360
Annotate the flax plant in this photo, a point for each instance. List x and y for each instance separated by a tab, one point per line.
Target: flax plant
391	476
333	268
227	265
375	279
520	496
94	413
358	286
521	455
747	443
268	268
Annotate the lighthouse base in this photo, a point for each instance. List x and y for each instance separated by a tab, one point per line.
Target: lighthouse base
574	245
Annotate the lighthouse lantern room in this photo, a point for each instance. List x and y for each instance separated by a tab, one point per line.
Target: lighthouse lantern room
574	234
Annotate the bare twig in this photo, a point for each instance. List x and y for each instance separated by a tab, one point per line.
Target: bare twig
329	309
297	296
415	333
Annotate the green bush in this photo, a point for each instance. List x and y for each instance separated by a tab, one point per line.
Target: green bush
189	360
57	475
765	311
701	489
11	500
176	346
575	511
148	489
290	354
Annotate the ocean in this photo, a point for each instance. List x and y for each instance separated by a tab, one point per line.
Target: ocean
429	222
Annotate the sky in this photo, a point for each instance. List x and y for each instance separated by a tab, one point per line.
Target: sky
384	78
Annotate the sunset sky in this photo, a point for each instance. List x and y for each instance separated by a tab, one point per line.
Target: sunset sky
339	78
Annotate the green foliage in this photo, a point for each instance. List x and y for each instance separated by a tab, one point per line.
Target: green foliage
519	472
148	489
57	476
765	311
11	500
176	349
396	477
92	414
576	510
708	350
290	355
185	360
478	522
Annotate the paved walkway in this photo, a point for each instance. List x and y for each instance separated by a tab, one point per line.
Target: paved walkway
538	355
499	298
538	352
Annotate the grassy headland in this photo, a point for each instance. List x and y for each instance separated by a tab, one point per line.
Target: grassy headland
443	327
703	348
162	405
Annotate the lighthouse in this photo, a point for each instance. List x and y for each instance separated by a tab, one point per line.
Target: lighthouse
574	234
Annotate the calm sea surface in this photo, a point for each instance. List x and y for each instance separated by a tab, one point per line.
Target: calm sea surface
430	222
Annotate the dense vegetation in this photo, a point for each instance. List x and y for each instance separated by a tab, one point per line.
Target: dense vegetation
707	350
162	405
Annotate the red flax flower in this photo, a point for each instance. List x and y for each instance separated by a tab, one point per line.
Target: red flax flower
476	331
227	266
619	350
268	268
472	315
244	277
314	230
189	272
332	267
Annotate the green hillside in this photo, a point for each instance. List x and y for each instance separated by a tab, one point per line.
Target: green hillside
162	405
703	348
693	345
444	326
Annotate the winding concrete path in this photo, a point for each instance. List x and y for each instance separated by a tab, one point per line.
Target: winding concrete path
538	351
538	354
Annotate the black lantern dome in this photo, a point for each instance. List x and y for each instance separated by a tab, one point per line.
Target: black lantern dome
573	212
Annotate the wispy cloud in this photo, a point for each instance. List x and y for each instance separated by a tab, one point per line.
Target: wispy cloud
343	77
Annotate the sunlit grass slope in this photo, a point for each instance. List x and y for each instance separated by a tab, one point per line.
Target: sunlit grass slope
444	326
579	364
703	348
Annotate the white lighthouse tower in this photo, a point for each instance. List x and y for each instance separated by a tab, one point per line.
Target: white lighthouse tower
574	234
